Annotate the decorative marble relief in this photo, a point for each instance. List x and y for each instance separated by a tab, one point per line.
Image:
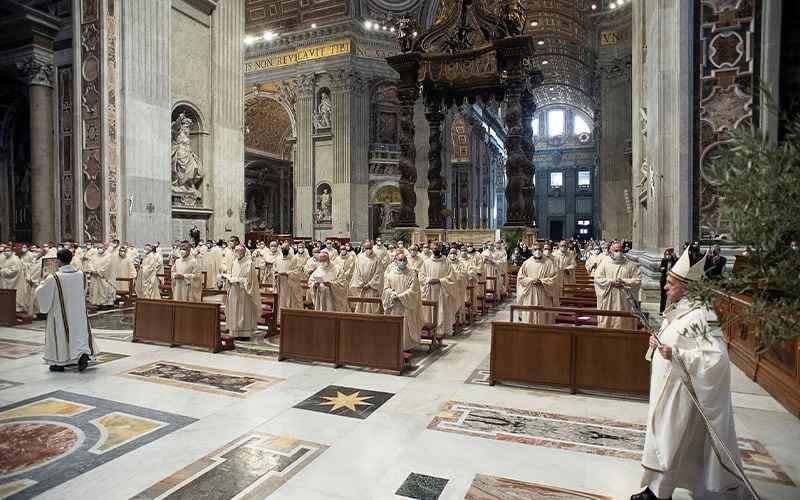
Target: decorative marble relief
422	487
91	73
345	401
229	383
728	32
248	468
66	164
595	436
111	161
486	487
55	437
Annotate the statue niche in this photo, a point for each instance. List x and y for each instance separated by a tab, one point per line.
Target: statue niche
187	169
322	115
323	214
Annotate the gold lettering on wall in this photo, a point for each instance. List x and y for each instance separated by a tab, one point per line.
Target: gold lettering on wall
298	55
613	37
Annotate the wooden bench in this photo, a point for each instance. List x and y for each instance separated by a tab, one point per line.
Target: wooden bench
369	340
179	323
579	359
574	316
429	328
8	307
126	296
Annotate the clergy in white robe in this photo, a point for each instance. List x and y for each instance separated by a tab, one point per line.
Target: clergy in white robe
288	278
243	309
257	256
328	289
122	268
101	290
536	280
302	256
346	264
610	280
593	261
27	255
148	285
558	285
68	337
33	273
367	280
401	296
461	272
415	259
183	276
270	256
678	451
438	283
565	259
500	258
13	276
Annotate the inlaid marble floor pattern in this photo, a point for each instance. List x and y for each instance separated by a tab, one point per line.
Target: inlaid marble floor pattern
151	422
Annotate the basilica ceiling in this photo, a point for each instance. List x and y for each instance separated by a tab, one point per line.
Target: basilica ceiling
268	127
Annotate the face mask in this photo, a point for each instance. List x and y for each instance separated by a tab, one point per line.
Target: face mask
185	253
147	249
101	251
463	255
413	253
616	255
453	257
547	253
402	265
7	254
24	250
537	254
597	251
273	249
122	255
368	251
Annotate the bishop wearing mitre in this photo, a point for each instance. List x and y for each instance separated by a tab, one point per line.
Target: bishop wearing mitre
439	283
367	281
536	286
678	450
244	295
183	276
148	285
68	337
288	277
328	290
611	280
401	297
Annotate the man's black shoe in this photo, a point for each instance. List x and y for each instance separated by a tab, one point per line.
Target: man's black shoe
647	494
83	362
56	368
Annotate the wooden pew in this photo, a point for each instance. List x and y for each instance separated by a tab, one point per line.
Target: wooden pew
8	307
126	295
429	328
574	316
352	301
179	323
369	340
580	359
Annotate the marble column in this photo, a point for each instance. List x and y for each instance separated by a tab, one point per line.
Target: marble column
435	118
38	72
408	155
771	66
144	127
227	173
303	176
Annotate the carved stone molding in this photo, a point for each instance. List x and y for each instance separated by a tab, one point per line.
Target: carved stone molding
305	84
36	69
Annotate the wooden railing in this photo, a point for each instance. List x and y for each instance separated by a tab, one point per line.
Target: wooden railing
178	323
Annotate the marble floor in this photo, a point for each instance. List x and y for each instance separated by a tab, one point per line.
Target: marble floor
152	422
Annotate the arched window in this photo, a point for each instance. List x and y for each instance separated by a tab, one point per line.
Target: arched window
555	122
580	126
535	127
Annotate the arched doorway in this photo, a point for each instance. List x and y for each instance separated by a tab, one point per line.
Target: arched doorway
15	166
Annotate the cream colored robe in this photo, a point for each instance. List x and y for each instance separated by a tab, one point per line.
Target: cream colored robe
613	299
33	274
367	272
122	268
243	309
591	263
462	273
401	296
559	279
529	294
415	263
101	290
500	258
290	291
14	277
445	293
331	294
60	349
183	289
147	282
267	274
677	449
346	266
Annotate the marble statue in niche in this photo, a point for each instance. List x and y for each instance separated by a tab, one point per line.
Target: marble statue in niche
187	173
387	217
322	116
324	212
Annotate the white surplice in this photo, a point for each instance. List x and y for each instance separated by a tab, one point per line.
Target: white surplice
182	288
401	296
444	293
610	298
367	282
243	308
65	342
542	294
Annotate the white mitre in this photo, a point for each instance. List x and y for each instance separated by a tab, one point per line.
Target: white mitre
684	271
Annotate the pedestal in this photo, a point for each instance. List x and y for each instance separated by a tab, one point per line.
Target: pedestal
183	218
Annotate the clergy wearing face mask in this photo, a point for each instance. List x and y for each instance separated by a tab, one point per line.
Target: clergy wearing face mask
122	267
414	258
101	289
346	265
243	308
565	260
678	451
594	260
14	277
26	255
33	273
148	285
367	280
288	277
609	281
301	255
401	296
437	281
536	286
328	290
461	272
500	257
547	255
183	273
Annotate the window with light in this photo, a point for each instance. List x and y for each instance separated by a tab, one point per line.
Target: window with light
535	126
580	126
584	178
556	179
555	122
